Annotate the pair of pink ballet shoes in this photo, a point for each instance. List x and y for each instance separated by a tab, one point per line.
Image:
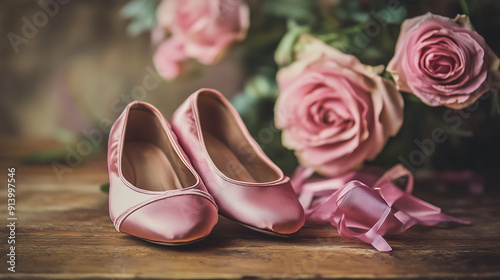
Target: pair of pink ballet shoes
168	183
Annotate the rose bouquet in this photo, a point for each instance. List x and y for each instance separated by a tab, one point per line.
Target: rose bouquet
338	92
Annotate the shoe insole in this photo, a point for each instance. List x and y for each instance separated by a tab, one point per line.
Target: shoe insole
148	167
226	160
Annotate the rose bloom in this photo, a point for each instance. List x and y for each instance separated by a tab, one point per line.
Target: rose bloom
200	29
334	111
443	61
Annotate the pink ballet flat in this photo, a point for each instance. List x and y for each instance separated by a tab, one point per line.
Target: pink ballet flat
246	185
155	194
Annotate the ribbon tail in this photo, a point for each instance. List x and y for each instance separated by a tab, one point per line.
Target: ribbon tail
424	213
436	218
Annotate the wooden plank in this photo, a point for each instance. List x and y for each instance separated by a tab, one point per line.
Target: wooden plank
64	232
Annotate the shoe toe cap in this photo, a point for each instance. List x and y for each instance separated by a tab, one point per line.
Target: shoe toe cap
289	220
176	219
274	210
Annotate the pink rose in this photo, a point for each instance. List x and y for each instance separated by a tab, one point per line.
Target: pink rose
202	29
169	57
334	111
443	61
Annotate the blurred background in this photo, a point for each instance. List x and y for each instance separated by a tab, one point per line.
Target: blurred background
81	67
76	67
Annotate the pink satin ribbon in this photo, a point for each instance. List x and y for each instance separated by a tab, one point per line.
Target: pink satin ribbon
364	213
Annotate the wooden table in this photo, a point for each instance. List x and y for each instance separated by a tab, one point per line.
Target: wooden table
64	232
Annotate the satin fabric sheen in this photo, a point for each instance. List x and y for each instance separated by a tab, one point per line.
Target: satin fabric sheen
171	216
364	207
270	206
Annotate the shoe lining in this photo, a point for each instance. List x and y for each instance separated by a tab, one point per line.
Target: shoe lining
228	147
147	166
149	161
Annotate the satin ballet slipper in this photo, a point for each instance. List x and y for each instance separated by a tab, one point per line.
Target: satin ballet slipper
246	185
155	194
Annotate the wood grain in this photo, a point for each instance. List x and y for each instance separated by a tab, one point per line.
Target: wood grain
64	232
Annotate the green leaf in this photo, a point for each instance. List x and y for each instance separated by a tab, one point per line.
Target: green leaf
140	25
298	10
104	187
351	10
360	16
261	86
397	16
413	98
142	15
284	54
132	9
387	75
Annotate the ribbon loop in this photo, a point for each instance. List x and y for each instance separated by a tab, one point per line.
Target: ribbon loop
364	213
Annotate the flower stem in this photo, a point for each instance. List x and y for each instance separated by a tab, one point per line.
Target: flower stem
465	7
